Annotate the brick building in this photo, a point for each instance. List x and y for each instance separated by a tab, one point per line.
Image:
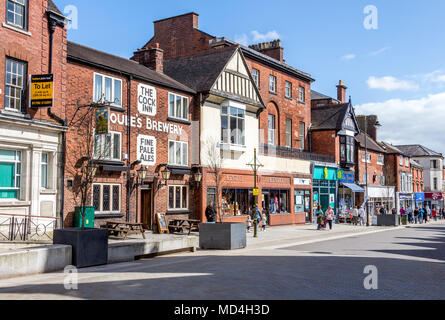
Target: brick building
33	42
284	122
150	119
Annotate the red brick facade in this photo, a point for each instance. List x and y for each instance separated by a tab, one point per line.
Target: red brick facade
417	173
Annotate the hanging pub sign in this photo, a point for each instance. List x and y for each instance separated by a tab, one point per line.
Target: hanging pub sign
102	123
41	93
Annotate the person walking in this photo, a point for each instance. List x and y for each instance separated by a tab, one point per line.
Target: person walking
330	217
409	212
421	213
416	215
264	222
319	215
211	213
425	215
434	214
361	215
249	223
355	216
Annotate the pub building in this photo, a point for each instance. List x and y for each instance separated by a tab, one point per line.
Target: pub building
142	164
228	115
32	45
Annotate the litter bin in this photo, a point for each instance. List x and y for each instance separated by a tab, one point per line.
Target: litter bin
89	217
404	220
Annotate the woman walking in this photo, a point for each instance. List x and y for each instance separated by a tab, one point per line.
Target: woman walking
330	217
319	215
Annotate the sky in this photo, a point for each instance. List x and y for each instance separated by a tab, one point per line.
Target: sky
390	54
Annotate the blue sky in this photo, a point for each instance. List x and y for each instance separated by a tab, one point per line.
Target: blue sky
401	65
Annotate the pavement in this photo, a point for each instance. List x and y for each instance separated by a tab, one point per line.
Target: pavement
283	263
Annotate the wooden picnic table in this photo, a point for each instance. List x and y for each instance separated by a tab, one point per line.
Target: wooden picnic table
176	225
125	228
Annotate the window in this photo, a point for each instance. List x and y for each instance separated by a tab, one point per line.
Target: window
177	198
435	184
288	90
289	133
10	172
178	153
273	84
368	156
44	171
347	149
381	160
256	77
302	134
401	160
108	146
178	107
15	84
434	164
108	89
16	13
407	162
271	129
301	94
106	198
233	126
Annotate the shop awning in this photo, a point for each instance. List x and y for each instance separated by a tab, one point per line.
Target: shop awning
353	187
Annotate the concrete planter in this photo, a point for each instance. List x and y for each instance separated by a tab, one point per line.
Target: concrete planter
89	246
387	220
222	236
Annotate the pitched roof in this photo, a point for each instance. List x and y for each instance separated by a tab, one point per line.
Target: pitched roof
318	96
391	149
414	163
418	150
52	7
200	72
329	117
371	144
117	64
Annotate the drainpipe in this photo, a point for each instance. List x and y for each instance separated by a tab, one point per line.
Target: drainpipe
130	79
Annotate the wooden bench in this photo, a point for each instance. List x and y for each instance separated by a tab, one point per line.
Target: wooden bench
124	228
181	224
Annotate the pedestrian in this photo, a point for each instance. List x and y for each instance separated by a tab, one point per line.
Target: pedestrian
361	215
421	213
416	215
382	210
355	216
264	222
394	211
434	214
409	212
319	215
425	215
249	223
428	213
258	217
402	211
211	213
330	217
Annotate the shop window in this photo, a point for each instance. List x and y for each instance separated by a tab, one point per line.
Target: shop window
177	198
288	90
302	201
273	84
178	107
236	202
289	133
15	84
10	174
44	171
108	89
178	153
271	131
106	198
108	146
16	13
233	126
276	201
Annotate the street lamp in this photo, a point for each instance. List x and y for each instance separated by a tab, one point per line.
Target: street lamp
255	166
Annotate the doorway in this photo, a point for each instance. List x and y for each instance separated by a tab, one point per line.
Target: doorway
147	208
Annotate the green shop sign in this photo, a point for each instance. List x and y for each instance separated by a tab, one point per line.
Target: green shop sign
324	173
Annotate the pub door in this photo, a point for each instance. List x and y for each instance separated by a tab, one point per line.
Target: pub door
147	208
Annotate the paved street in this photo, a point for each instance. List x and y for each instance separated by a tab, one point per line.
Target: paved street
410	264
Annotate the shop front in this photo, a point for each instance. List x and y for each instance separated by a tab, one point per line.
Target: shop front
419	199
324	189
378	197
405	200
347	194
302	197
434	200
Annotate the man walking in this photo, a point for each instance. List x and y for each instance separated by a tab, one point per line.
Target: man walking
409	212
361	215
355	216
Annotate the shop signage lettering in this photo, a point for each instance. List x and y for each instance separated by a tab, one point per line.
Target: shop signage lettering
146	150
302	182
279	180
234	178
434	196
146	100
147	123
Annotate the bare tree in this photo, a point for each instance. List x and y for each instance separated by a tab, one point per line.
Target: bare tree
214	160
83	151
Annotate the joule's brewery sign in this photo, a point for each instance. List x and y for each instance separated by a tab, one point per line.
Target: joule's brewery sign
147	100
146	152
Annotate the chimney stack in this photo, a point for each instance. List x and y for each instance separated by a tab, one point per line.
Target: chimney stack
152	58
341	91
370	125
272	49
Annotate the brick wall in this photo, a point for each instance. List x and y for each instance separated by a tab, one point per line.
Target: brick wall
373	168
327	143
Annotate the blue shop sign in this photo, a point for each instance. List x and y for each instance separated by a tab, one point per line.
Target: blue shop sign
348	178
419	197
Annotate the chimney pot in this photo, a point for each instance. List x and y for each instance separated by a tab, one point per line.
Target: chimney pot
341	91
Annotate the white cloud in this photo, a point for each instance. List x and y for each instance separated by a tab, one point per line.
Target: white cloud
417	121
390	84
350	56
242	39
263	37
375	53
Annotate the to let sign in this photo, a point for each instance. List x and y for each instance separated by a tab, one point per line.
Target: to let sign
41	91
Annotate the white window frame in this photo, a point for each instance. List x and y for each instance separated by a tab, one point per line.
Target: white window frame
256	77
301	94
381	160
10	86
273	84
102	146
289	133
184	146
113	89
47	165
181	208
407	162
401	161
24	14
288	89
271	131
101	202
238	135
181	111
368	156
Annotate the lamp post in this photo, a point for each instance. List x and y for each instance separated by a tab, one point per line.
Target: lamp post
255	166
